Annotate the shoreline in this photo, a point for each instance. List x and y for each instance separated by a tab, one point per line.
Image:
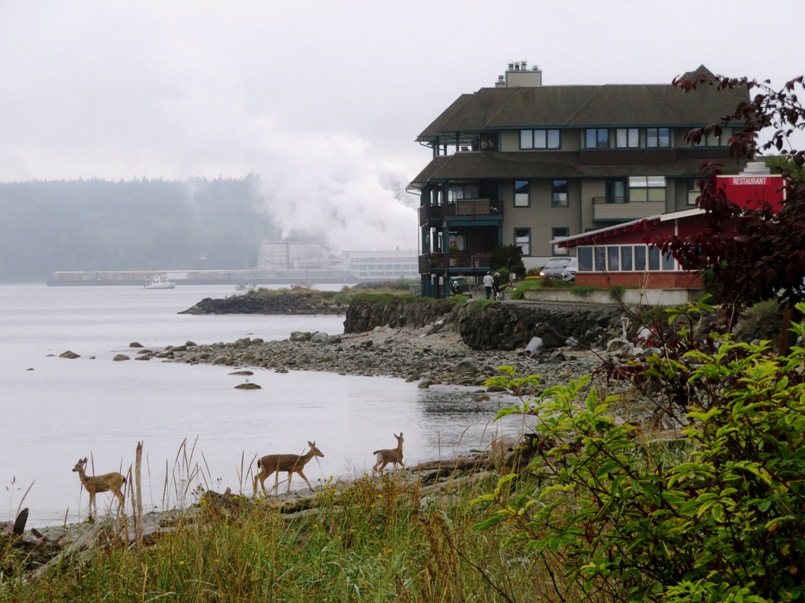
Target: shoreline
431	355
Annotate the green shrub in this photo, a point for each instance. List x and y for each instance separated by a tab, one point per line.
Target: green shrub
616	292
723	522
583	290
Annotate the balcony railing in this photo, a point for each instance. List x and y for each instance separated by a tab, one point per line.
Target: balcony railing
453	262
619	209
462	207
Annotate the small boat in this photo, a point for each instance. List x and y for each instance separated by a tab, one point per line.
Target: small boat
246	287
160	282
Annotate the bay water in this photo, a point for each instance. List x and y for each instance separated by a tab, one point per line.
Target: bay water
197	430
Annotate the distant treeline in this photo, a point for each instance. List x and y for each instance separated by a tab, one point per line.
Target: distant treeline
49	226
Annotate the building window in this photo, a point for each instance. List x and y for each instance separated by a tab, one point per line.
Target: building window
522	237
654	258
693	192
559	193
626	258
539	139
557	233
596	138
585	259
600	259
640	258
716	140
613	259
466	191
627	138
521	196
667	261
658	137
647	188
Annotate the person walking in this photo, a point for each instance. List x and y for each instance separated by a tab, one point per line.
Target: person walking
488	284
496	285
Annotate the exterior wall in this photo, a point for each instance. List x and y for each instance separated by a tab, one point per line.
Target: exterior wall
571	139
619	212
642	280
637	297
541	217
590	189
510	141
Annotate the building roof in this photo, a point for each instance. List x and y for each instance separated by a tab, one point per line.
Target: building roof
542	164
609	105
601	234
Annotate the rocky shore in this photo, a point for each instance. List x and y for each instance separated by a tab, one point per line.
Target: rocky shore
430	355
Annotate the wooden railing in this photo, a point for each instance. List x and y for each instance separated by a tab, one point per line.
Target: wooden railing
462	207
455	261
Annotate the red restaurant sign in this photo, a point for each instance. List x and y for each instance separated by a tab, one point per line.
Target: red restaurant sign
753	190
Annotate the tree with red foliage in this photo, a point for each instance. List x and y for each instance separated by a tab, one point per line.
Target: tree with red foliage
750	255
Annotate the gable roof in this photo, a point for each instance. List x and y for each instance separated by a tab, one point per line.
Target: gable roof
585	106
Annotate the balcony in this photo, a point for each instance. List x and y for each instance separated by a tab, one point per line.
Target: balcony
619	209
462	207
454	262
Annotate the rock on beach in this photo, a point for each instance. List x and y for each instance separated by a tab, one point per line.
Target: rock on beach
414	354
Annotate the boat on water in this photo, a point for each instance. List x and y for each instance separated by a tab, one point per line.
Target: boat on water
160	282
246	287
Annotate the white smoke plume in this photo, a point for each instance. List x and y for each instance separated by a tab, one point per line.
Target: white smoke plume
328	189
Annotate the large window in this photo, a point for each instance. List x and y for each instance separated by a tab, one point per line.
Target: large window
557	233
596	138
522	237
539	139
647	188
627	138
458	191
559	193
624	258
521	194
714	140
658	137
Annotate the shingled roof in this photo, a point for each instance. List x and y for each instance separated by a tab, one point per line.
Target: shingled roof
609	105
536	165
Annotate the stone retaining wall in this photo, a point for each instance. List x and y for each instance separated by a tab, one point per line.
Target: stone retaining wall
495	326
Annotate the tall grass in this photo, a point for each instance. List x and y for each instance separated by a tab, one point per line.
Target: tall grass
374	539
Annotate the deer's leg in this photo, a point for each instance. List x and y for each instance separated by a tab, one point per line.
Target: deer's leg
120	498
304	478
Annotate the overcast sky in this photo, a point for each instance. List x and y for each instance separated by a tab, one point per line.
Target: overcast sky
325	98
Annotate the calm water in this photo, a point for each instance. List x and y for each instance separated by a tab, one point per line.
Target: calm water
195	427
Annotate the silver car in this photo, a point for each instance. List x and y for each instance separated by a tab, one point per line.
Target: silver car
569	273
554	266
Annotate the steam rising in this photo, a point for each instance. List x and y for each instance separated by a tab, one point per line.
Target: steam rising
328	189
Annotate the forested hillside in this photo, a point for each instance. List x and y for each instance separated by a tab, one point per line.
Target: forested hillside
49	226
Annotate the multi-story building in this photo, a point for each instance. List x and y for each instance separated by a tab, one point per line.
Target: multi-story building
526	164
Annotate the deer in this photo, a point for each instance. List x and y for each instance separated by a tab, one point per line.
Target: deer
291	463
99	483
390	455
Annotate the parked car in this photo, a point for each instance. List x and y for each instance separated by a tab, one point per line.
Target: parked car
553	267
569	273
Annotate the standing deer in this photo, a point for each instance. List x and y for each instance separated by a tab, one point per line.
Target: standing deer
99	483
292	463
390	455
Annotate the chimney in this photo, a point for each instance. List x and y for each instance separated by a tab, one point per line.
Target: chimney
518	76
